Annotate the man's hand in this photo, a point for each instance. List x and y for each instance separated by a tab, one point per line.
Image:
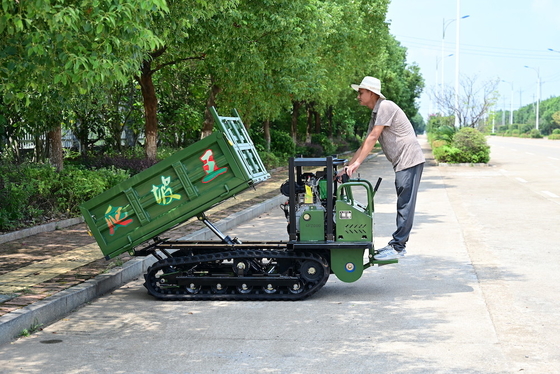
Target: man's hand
341	176
350	169
346	172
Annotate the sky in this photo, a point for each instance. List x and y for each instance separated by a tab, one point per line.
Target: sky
497	40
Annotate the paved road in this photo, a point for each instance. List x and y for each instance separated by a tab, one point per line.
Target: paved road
478	293
509	215
532	162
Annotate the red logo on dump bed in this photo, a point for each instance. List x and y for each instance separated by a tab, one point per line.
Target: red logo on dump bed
210	168
115	217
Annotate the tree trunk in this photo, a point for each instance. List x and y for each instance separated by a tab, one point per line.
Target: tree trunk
150	110
14	145
55	146
208	118
330	121
267	134
38	154
309	123
296	105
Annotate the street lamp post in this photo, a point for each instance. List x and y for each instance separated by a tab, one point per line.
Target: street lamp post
443	52
538	93
440	84
445	24
511	103
457	64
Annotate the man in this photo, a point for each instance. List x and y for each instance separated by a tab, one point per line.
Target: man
390	126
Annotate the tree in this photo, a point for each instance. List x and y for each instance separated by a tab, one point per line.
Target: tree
548	108
269	52
175	29
475	100
101	115
183	91
72	46
268	59
418	123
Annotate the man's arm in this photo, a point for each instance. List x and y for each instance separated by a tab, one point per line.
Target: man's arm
364	150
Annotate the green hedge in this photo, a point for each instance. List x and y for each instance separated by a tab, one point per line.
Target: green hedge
468	145
33	193
555	135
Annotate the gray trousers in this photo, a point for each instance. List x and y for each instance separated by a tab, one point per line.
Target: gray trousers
406	183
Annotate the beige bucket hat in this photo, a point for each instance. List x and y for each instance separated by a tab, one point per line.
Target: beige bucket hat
370	83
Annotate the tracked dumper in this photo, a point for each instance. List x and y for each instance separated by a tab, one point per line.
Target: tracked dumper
329	231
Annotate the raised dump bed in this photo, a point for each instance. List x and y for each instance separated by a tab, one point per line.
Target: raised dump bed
176	189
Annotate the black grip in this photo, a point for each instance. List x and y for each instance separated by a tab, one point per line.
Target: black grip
342	178
377	184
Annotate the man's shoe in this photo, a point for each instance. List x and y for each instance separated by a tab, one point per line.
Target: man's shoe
387	253
402	252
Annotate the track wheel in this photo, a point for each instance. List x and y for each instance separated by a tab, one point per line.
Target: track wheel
193	288
244	289
270	289
241	267
219	289
296	288
311	271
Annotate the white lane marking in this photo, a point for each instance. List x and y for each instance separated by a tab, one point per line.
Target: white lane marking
554	158
521	180
550	194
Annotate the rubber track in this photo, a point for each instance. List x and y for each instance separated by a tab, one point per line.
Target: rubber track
189	261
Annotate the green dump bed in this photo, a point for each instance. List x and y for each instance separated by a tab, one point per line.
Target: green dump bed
176	189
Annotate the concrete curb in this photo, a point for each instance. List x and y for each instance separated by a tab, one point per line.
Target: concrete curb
40	229
55	307
445	164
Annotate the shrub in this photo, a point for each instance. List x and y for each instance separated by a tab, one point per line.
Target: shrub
535	134
271	161
446	154
438	143
525	128
15	205
281	143
32	193
503	128
472	145
132	165
309	150
555	134
329	148
76	185
445	133
257	136
468	146
350	144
